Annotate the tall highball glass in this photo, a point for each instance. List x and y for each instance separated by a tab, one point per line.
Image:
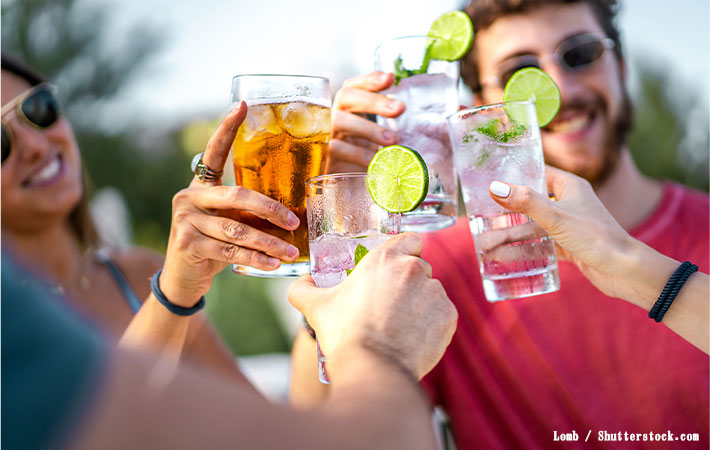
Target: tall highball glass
282	143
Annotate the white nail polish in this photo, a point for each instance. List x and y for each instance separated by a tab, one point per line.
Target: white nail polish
500	189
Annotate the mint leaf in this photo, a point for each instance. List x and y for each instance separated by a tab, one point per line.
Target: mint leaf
360	252
492	130
401	73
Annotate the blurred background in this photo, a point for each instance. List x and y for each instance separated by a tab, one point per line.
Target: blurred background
145	83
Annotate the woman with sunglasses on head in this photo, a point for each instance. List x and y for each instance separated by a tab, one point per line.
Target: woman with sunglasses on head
46	223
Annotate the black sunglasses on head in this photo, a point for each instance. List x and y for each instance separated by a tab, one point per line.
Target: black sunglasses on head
38	107
573	54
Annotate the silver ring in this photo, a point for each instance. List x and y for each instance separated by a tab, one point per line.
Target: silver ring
201	170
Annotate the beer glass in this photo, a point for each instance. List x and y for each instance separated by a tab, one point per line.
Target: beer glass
282	143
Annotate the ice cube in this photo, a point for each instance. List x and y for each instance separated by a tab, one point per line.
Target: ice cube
327	279
298	119
260	123
331	253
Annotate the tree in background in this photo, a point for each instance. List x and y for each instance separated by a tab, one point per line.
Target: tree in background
670	137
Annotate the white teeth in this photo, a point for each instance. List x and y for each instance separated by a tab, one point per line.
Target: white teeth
572	125
49	171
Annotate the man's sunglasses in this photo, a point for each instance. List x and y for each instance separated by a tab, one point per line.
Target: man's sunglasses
38	107
573	54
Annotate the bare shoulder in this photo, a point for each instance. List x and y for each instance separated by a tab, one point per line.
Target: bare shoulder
138	264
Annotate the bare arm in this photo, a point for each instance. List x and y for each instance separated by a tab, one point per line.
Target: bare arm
379	338
617	264
203	241
374	405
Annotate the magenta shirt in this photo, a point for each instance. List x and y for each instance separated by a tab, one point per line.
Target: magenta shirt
520	372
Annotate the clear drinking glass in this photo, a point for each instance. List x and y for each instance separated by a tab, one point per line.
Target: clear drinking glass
430	97
282	143
341	217
502	142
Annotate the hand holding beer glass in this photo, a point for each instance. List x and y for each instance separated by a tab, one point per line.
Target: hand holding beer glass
282	143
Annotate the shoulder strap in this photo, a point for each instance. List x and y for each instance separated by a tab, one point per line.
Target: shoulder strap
121	281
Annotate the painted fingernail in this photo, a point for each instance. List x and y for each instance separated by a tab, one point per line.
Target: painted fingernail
292	220
500	189
388	136
273	262
291	251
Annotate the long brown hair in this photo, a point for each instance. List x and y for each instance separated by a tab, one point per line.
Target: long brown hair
80	218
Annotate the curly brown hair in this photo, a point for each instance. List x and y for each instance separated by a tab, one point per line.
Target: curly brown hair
484	12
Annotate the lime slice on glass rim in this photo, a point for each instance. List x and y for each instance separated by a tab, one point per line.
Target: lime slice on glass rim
531	82
398	179
453	33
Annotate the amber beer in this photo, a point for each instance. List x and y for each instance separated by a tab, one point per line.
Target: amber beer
282	142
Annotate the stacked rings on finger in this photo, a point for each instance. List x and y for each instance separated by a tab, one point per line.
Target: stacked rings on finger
201	170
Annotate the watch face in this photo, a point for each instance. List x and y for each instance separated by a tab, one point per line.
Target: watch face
196	160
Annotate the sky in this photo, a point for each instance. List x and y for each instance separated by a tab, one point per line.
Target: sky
210	41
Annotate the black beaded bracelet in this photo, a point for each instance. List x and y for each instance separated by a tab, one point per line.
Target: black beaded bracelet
671	290
173	308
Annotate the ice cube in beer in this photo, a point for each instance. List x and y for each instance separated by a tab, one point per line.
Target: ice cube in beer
260	123
298	119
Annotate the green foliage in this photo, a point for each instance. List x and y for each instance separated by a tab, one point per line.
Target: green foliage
65	41
238	307
670	135
147	178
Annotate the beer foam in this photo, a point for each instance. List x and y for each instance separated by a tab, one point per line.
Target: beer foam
296	98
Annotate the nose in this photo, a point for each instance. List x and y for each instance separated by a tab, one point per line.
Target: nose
568	83
29	143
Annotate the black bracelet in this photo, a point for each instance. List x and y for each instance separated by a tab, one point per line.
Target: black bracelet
671	290
173	308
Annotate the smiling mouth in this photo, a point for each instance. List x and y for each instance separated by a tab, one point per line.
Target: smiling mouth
47	175
572	123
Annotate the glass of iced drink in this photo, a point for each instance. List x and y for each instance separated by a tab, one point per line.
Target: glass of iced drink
282	143
502	142
344	223
429	88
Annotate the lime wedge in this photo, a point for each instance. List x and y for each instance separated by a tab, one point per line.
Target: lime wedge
397	178
454	35
531	82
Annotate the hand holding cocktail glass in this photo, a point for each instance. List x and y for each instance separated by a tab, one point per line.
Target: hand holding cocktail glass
203	242
391	290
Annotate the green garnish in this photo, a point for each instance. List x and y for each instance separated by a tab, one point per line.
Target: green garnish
492	130
401	73
360	252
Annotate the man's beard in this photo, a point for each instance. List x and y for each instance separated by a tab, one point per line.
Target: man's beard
617	132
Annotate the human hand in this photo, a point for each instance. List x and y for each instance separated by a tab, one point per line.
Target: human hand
203	241
583	229
389	308
354	139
